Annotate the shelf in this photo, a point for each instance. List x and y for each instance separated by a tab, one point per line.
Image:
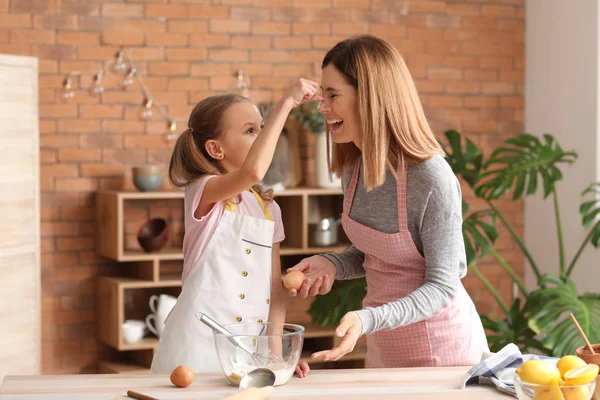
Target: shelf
162	255
131	283
147	343
105	367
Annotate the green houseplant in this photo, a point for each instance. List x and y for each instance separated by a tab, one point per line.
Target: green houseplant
536	319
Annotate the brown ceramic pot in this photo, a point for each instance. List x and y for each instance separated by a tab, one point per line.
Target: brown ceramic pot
584	353
153	235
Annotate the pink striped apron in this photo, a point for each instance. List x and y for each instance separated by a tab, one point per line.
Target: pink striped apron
394	268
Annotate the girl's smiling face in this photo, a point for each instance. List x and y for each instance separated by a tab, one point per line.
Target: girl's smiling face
339	106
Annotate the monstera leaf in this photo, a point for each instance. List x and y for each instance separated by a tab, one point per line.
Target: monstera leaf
552	304
512	329
344	297
590	210
519	166
465	160
477	233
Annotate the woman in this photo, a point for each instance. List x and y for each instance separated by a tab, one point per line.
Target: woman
402	213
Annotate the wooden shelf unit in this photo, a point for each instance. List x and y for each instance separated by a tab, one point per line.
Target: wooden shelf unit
144	271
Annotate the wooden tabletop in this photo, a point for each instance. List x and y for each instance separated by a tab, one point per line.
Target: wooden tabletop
409	383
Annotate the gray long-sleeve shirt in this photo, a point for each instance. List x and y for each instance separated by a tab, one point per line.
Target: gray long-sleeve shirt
434	213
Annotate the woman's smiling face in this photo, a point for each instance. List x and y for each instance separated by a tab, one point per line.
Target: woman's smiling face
339	106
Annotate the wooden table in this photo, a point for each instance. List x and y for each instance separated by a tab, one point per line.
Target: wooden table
354	384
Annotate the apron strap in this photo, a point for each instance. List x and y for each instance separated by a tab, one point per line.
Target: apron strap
231	206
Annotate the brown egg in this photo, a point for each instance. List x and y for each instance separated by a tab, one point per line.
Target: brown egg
182	376
293	280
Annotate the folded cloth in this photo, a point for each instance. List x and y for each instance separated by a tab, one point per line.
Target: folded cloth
499	368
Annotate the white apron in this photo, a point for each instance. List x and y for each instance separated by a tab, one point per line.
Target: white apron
231	282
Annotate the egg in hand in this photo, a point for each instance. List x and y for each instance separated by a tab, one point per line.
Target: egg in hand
293	280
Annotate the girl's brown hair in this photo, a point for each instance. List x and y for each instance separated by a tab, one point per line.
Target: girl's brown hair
393	124
190	160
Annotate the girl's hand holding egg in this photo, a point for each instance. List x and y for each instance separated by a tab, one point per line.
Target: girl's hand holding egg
293	280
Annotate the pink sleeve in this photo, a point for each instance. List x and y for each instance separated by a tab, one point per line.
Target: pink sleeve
278	232
195	191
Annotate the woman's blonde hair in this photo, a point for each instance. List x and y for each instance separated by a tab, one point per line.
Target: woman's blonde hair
190	160
393	124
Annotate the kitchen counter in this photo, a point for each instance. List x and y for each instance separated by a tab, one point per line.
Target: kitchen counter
409	383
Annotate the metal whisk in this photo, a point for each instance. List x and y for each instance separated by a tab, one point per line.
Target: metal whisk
258	359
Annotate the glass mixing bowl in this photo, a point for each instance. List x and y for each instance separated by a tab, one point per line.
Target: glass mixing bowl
275	346
527	391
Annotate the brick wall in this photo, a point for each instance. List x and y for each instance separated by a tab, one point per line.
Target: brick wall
466	57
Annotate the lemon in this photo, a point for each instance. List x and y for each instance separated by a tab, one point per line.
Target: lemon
569	362
540	372
581	375
576	393
552	393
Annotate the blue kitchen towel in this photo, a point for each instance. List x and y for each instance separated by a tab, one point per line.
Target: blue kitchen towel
499	368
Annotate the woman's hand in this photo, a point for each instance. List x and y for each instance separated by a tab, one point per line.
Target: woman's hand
320	275
302	369
302	91
349	330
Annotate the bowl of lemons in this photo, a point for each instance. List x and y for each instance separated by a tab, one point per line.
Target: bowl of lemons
570	378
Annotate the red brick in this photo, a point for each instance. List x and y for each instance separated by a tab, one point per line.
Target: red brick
122	10
461	61
428	86
445	101
271	28
58	229
450	74
59	110
351	4
4	35
496	62
146	53
79	125
210	40
208	12
249	42
16	49
15	20
33	6
70	155
272	3
4	5
96	53
80	243
47	246
371	16
184	84
292	43
147	25
169	68
250	13
227	55
425	33
481	75
83	66
121	38
47	127
121	98
443	48
47	156
78	213
167	39
187	54
348	28
32	36
498	88
481	101
253	69
427	7
480	49
195	27
229	26
310	29
145	141
98	170
119	126
100	141
326	42
101	111
75	7
312	3
463	87
462	9
478	22
512	49
512	101
223	83
388	30
269	56
62	22
78	38
169	11
292	70
211	69
498	11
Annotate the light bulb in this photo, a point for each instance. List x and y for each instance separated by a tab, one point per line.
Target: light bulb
128	81
119	64
97	87
172	128
68	92
146	112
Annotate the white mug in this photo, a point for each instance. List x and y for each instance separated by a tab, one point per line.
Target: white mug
158	325
164	306
133	330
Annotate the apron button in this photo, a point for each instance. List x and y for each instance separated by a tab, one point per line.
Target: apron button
268	301
242	296
260	321
244	273
248	251
238	319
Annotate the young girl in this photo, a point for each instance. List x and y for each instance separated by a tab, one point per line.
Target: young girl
231	268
